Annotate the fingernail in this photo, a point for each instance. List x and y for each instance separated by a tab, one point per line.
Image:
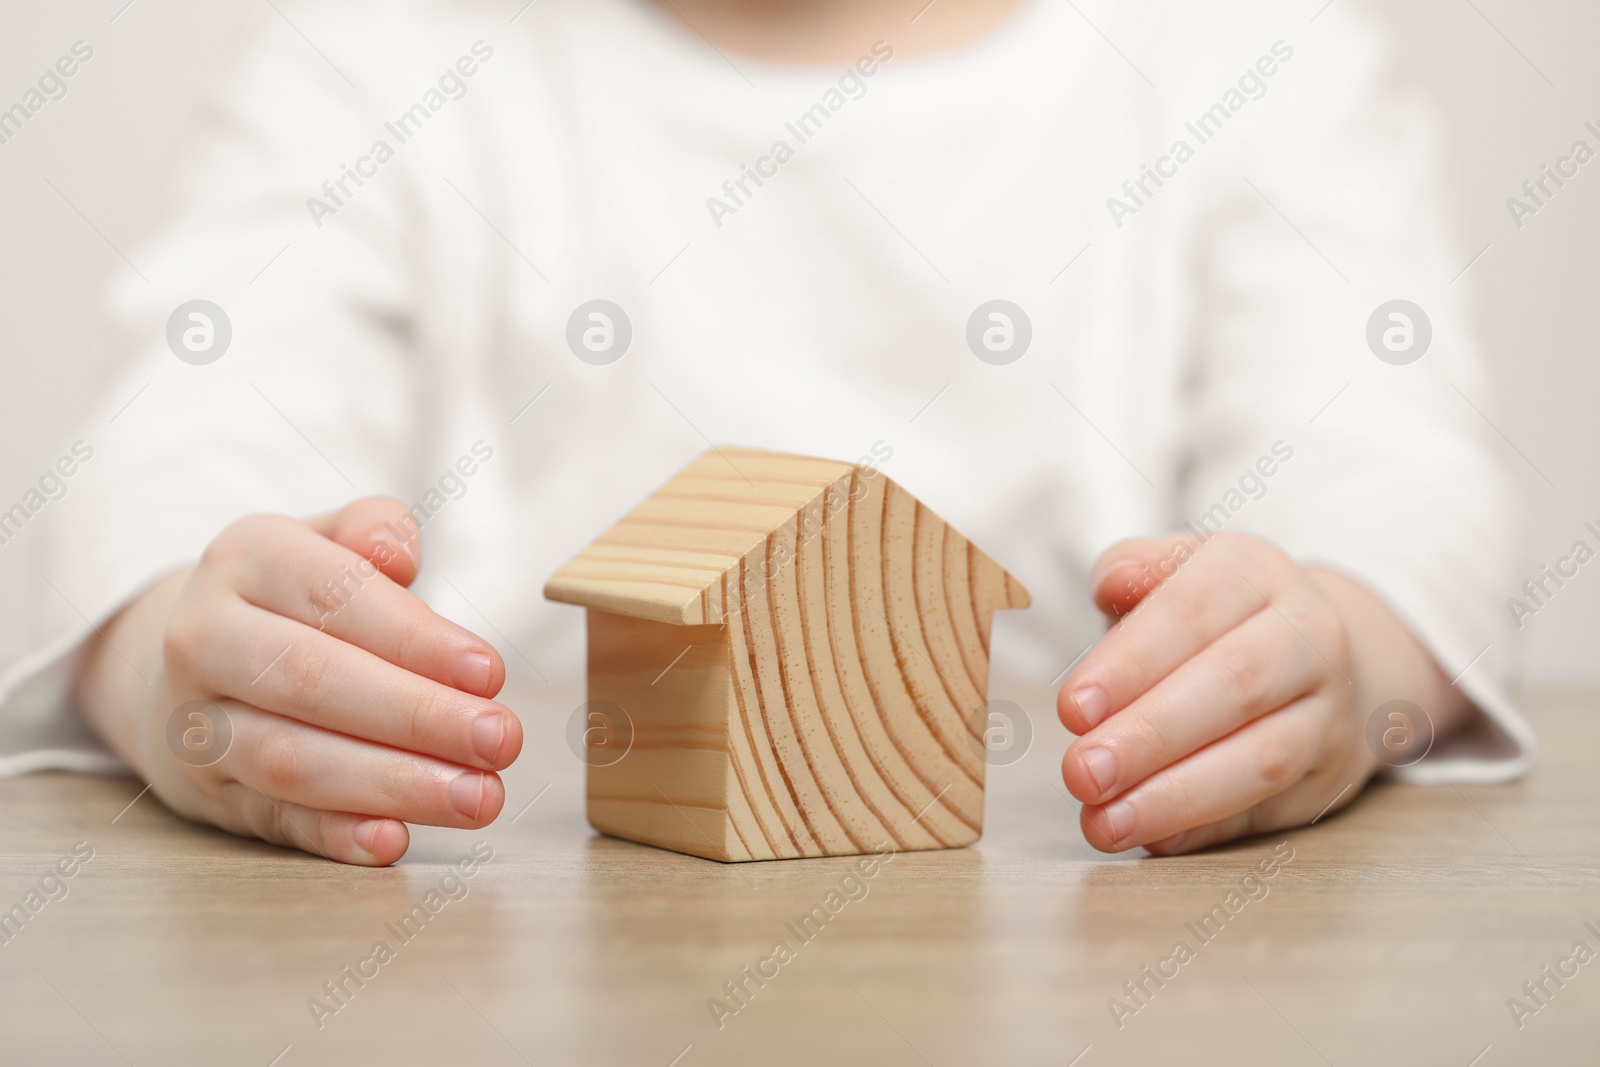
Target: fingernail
466	794
1098	576
1102	768
488	734
1092	703
385	549
1119	820
399	544
366	836
472	673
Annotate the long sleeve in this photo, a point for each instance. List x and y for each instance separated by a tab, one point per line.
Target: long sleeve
1322	203
310	405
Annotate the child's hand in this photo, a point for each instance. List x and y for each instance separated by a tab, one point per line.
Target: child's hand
352	705
1231	697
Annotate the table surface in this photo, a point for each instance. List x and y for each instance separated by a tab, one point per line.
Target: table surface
1396	933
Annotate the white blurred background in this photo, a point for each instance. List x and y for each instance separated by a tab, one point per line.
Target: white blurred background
1514	80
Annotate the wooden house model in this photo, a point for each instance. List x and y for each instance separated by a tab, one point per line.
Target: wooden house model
798	654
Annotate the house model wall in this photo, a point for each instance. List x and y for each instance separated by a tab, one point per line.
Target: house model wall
793	654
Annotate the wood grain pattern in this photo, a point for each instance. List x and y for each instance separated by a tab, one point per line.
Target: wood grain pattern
1394	937
851	626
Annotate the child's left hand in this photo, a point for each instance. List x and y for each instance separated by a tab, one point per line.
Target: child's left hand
1231	696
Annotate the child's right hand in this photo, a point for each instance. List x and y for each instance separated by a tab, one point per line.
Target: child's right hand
351	712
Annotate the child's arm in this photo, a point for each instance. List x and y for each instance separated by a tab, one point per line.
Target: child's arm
352	710
1232	697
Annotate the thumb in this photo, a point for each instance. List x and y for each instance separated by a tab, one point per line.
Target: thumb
378	528
1129	571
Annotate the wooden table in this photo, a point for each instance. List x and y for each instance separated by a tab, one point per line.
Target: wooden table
1395	934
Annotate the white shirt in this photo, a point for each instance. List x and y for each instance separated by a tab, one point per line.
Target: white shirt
1180	332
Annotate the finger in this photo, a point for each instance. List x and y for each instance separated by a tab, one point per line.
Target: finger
1129	570
322	681
1226	581
1221	780
1313	798
1229	829
290	761
328	587
334	835
1257	667
378	528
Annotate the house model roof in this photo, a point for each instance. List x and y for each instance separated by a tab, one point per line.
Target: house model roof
736	516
